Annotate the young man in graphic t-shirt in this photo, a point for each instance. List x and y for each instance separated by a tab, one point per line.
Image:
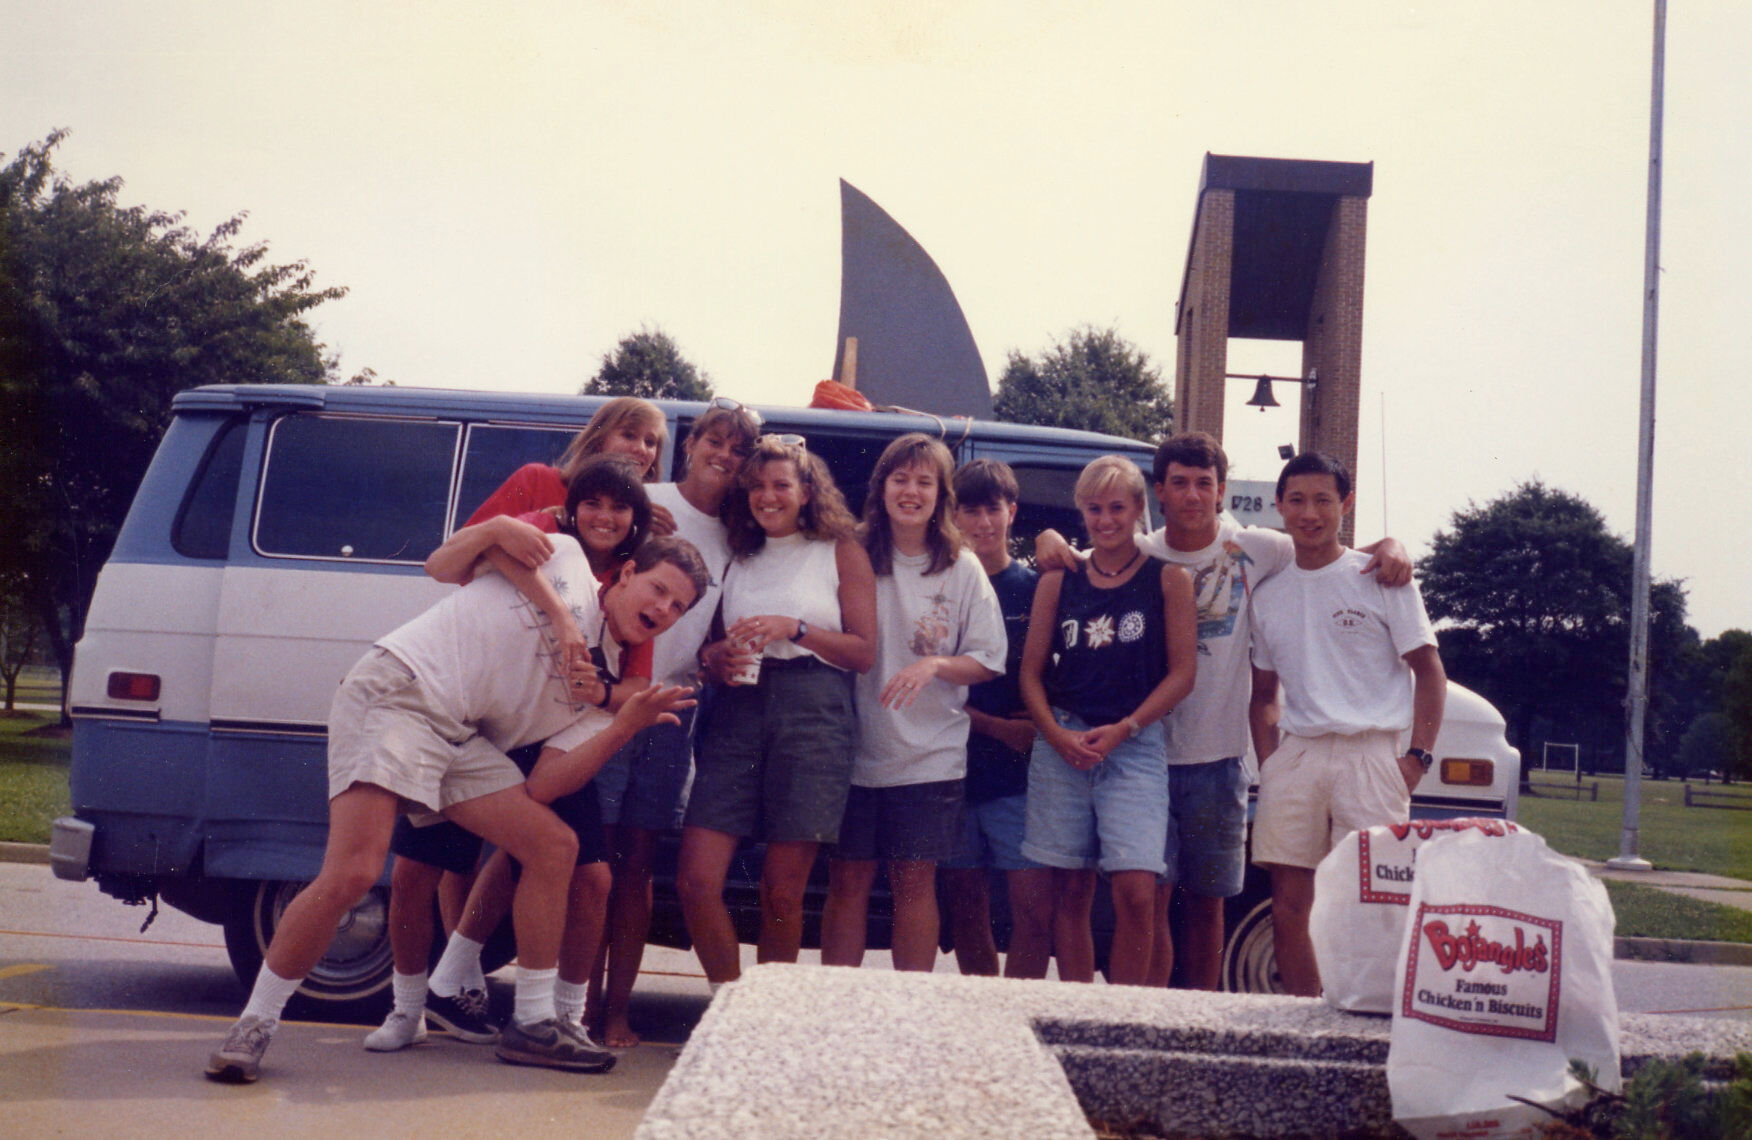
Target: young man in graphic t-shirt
1359	667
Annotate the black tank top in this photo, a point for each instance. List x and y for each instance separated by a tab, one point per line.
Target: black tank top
1109	647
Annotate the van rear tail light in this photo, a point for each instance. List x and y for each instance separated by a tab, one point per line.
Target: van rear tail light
1469	773
133	686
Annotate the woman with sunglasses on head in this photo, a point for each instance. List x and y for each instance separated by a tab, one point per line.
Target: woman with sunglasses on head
775	762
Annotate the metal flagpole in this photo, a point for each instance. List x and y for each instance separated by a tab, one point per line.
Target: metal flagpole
1637	700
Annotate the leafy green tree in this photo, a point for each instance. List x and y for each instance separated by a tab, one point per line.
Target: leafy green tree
1532	594
106	312
1095	380
1737	709
648	364
1706	747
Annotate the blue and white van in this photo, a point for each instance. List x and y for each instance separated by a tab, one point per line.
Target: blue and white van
281	529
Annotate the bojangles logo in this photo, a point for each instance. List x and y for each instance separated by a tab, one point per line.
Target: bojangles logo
1424	828
1472	949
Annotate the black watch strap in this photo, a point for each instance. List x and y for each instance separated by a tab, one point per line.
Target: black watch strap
1421	756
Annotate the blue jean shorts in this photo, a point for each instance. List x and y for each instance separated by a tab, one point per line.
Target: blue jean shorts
991	836
1114	816
1207	828
646	783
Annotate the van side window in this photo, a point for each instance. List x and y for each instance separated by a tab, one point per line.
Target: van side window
203	524
494	451
355	488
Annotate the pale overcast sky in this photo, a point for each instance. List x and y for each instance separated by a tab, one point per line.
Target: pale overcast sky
509	189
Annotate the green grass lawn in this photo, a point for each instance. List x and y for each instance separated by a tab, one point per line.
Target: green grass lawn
33	779
1644	912
1671	836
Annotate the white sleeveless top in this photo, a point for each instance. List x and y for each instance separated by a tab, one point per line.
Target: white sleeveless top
795	576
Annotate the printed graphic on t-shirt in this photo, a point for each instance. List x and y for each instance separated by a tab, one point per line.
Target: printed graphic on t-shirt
1220	590
536	618
1100	632
933	632
1348	619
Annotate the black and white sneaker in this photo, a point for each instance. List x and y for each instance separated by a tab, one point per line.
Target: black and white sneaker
464	1016
553	1044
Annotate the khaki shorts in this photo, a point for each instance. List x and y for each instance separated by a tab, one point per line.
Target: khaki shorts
384	730
1314	791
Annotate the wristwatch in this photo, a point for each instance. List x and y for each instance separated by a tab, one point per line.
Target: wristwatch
1421	756
802	630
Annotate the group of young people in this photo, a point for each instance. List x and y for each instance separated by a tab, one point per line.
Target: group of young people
896	688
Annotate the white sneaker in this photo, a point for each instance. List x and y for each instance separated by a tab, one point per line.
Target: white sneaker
398	1031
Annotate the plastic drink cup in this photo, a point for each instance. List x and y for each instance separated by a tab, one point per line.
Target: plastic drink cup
748	674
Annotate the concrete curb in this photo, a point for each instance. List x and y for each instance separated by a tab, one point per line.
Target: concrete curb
24	853
1697	953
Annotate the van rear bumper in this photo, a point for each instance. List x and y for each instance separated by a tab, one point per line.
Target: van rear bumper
70	848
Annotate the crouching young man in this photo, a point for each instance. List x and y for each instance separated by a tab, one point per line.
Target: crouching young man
422	723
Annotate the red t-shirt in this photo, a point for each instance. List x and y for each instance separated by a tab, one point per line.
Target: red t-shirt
532	487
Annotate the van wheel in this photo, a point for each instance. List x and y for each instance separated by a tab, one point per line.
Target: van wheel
1249	956
352	980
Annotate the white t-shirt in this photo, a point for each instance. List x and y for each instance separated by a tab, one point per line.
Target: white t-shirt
675	655
485	654
1211	723
795	576
951	614
1336	639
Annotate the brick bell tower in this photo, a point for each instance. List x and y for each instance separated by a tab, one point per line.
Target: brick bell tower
1277	254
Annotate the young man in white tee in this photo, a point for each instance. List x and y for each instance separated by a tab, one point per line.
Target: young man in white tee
1359	667
422	723
1207	732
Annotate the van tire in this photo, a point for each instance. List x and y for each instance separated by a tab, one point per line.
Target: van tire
1249	956
352	980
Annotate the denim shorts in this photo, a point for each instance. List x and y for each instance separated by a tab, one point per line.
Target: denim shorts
775	759
991	836
646	783
1207	828
1114	816
906	822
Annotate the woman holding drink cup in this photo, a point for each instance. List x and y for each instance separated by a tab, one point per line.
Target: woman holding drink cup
775	762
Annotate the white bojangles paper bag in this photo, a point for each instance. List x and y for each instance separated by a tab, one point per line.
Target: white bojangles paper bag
1362	894
1505	977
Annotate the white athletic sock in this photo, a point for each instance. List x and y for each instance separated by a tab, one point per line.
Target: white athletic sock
459	968
535	995
569	1000
270	994
410	992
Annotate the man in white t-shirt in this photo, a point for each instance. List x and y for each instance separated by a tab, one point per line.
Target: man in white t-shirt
1207	732
1359	667
421	725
